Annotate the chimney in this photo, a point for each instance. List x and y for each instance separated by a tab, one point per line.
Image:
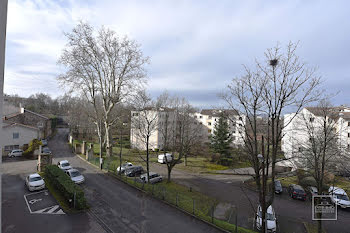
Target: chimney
22	109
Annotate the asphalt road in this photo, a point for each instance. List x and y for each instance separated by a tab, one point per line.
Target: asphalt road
229	189
121	208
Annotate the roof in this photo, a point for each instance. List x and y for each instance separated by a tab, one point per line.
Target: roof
34	175
332	112
25	110
337	190
217	112
12	124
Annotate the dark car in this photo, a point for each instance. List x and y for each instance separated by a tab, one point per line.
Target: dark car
134	171
297	192
278	187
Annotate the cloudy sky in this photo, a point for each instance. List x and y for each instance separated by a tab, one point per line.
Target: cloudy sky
196	47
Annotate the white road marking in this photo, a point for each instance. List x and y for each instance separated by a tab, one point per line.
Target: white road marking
53	209
25	198
34	200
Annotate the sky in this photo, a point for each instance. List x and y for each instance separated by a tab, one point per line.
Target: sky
195	47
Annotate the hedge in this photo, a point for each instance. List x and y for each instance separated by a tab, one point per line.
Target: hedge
66	186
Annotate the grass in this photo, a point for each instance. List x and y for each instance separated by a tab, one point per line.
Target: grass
286	181
312	228
58	196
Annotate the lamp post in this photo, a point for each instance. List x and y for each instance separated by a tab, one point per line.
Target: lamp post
121	147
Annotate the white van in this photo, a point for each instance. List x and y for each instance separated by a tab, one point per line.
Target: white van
339	197
16	152
165	158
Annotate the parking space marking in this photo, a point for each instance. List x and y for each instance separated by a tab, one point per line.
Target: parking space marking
41	202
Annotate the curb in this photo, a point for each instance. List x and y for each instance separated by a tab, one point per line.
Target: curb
167	203
91	164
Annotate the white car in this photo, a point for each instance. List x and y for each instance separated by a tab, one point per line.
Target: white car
339	197
75	176
165	158
16	152
124	167
271	221
64	165
34	182
153	177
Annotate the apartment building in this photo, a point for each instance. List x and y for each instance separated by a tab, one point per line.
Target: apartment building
203	121
296	134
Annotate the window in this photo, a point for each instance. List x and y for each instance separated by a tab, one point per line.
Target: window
209	123
348	135
300	149
240	118
135	114
349	123
209	130
15	135
40	124
201	117
312	119
195	116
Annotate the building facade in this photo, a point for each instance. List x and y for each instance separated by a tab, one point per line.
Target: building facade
297	127
203	122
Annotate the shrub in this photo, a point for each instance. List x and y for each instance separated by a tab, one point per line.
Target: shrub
33	145
225	161
308	181
301	174
66	186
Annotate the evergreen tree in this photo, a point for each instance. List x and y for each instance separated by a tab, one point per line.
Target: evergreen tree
221	140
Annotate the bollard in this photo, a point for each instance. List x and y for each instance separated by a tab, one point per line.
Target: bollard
193	207
152	189
212	214
177	198
135	181
164	194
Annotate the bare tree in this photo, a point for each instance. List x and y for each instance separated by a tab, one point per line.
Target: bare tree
144	122
102	66
281	81
179	130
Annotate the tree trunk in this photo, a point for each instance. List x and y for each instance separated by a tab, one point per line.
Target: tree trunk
108	140
147	158
169	174
185	159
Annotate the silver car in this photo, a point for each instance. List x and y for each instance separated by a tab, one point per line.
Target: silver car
75	176
153	177
34	182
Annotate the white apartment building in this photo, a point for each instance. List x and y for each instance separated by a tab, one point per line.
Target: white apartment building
296	134
207	118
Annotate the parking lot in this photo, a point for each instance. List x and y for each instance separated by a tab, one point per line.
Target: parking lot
42	202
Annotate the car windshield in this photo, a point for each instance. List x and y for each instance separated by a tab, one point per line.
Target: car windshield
64	164
74	174
36	178
269	216
342	197
299	191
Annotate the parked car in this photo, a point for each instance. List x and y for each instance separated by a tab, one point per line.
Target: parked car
271	222
153	177
43	142
46	150
64	165
75	176
133	171
34	182
312	190
165	158
278	187
124	166
297	192
15	153
339	197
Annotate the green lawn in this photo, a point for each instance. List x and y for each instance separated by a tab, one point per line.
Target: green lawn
194	164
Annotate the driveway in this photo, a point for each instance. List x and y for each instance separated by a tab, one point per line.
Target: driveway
117	207
229	189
